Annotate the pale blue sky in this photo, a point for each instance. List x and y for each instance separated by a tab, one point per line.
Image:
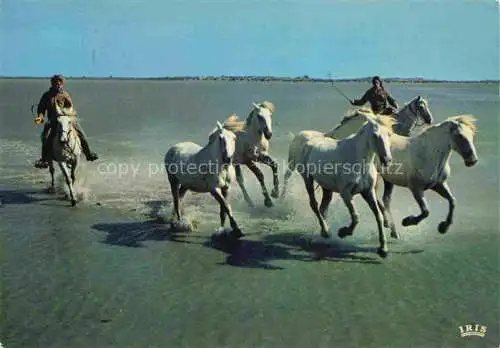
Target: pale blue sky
441	39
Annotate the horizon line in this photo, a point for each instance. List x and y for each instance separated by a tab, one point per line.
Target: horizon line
301	78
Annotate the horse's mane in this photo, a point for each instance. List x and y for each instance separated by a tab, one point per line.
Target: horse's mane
385	121
234	124
466	119
352	114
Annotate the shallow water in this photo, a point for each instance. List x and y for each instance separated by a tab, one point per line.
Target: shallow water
108	273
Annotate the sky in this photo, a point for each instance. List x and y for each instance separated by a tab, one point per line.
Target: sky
434	39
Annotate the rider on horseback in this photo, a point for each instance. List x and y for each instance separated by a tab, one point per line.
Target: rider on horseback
378	98
56	95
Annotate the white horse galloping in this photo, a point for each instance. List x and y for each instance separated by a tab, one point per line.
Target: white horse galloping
204	169
331	163
66	149
422	162
415	112
252	146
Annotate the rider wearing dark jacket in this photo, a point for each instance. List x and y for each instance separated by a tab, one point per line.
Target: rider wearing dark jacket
378	98
47	104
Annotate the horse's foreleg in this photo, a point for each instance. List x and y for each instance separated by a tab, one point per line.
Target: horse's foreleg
182	193
386	200
67	177
371	199
313	203
266	159
175	188
325	202
444	191
73	172
241	183
222	213
224	205
347	230
260	177
418	194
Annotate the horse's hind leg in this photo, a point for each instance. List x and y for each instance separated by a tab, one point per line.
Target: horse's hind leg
241	183
266	159
52	188
444	191
418	194
260	177
286	177
66	174
224	205
347	230
371	199
313	203
386	201
325	202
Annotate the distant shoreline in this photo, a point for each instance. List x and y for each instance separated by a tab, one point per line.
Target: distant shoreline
254	79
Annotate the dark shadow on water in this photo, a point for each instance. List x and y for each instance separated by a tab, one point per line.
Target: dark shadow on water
22	196
289	246
132	234
253	254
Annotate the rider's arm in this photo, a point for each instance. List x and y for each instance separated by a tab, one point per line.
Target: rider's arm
363	100
43	105
392	101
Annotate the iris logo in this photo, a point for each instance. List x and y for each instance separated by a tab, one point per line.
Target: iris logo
472	330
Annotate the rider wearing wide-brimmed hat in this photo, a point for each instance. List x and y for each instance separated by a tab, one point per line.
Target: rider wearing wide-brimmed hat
47	104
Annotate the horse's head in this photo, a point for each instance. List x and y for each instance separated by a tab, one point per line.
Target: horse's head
462	129
260	119
379	131
227	142
63	128
415	112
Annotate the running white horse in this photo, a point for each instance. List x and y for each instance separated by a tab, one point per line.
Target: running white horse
66	149
332	164
204	169
415	112
252	145
422	162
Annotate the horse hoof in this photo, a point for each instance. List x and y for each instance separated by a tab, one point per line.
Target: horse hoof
236	233
51	190
443	227
408	221
394	235
275	194
268	202
73	202
325	235
343	232
382	253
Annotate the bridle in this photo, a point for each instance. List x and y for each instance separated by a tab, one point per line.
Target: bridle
416	113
